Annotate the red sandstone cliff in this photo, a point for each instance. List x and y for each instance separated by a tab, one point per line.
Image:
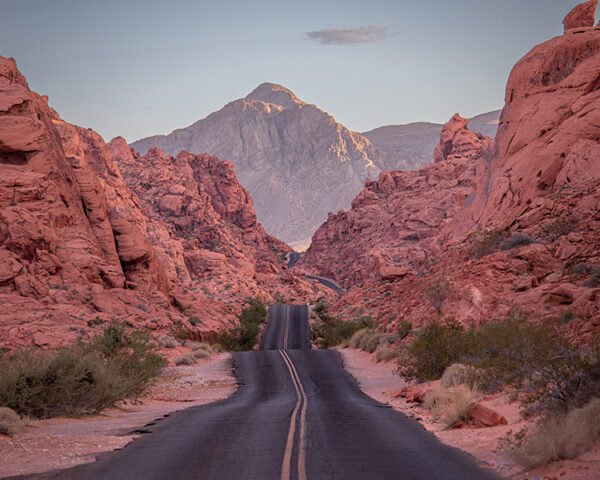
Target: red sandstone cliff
410	244
78	246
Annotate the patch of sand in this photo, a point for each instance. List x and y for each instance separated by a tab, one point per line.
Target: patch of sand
379	382
65	442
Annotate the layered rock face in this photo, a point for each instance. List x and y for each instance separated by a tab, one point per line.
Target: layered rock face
391	228
296	160
78	247
528	231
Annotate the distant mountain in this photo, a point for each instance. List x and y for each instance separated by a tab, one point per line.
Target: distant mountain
296	161
417	140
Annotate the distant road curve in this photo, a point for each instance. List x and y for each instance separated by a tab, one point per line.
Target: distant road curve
329	283
293	257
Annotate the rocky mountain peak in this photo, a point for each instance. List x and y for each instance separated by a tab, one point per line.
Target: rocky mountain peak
274	93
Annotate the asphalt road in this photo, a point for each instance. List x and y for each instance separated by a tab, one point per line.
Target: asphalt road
297	415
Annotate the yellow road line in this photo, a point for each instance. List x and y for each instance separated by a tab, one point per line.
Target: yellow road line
301	398
287	327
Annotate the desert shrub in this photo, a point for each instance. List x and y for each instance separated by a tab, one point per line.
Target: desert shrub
517	239
94	322
557	228
332	331
321	307
404	328
385	353
10	422
485	242
456	374
201	354
436	291
185	359
594	280
202	346
357	337
450	407
164	341
373	342
437	346
81	379
562	437
244	336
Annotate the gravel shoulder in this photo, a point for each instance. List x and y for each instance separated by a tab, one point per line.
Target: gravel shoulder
379	382
65	442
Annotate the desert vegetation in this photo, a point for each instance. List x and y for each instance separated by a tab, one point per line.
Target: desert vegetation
245	335
81	379
328	331
484	242
555	381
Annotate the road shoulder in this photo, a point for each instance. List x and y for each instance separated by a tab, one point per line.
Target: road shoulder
66	442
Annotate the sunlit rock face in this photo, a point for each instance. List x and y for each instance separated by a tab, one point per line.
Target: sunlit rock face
296	160
92	233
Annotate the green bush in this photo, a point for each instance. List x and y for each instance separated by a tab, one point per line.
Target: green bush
81	379
332	331
436	346
404	329
547	372
244	336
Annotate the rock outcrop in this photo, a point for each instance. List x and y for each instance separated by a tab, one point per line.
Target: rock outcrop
78	247
526	234
391	229
296	161
583	15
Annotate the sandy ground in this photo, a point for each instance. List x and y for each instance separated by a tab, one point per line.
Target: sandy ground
379	382
65	442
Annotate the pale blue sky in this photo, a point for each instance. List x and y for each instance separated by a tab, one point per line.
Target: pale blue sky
140	67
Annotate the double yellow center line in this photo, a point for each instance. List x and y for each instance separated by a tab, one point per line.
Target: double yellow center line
286	333
302	399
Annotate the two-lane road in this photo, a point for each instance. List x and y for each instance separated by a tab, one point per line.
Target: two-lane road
297	415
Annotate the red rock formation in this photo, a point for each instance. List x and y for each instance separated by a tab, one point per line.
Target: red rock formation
540	180
392	227
582	15
78	247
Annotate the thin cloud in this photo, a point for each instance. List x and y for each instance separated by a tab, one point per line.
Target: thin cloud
349	36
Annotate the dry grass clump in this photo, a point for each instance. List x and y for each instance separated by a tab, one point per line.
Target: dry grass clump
562	437
185	359
165	341
385	354
10	422
355	340
456	374
450	406
201	354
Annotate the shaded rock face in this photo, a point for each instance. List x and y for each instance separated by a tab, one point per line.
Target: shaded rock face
583	15
528	231
296	160
78	247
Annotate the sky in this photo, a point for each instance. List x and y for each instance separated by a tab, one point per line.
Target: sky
136	68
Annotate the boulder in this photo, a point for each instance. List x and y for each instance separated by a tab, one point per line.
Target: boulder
583	15
481	416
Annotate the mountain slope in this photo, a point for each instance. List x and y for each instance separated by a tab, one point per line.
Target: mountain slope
296	161
417	140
